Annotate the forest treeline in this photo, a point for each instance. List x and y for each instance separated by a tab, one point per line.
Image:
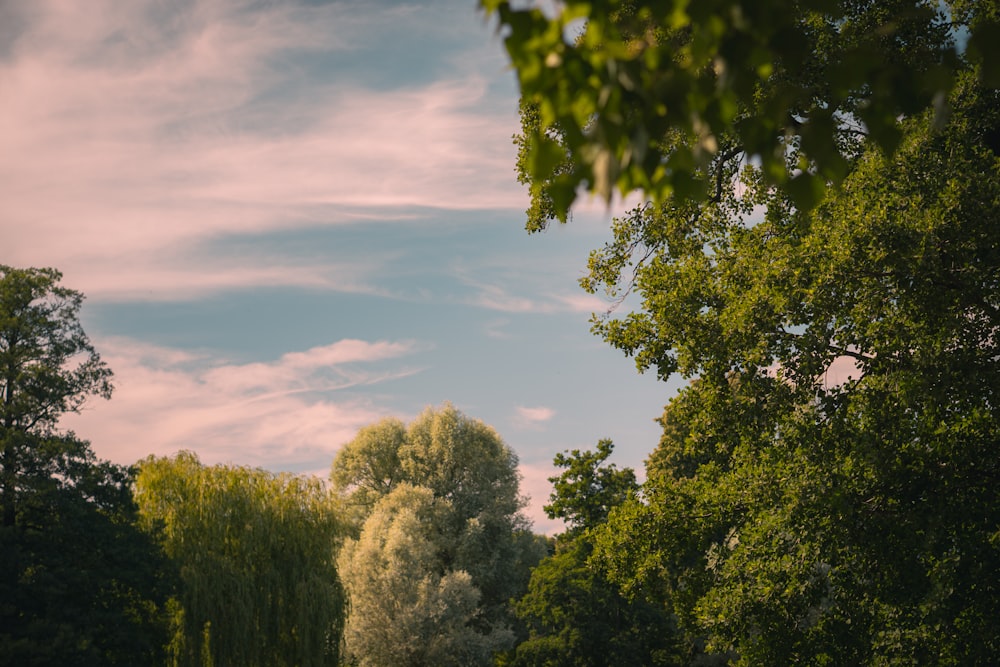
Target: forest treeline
817	253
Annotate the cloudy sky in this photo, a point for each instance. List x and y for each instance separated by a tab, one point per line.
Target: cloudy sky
293	218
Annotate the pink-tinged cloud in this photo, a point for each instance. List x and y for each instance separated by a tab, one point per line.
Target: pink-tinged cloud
170	277
134	129
536	485
534	415
281	415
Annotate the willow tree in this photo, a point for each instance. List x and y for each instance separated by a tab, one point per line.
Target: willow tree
259	585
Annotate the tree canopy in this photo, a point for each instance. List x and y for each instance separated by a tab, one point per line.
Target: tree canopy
47	367
823	492
259	585
576	615
479	548
818	255
408	607
588	487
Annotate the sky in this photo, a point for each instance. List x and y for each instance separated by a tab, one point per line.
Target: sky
293	218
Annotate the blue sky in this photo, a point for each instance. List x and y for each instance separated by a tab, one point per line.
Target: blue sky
292	219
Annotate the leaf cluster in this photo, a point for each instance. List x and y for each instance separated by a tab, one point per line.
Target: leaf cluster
646	95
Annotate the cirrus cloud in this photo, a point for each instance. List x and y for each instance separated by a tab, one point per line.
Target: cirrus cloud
290	413
136	129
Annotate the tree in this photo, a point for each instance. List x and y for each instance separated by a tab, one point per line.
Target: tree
576	615
408	607
588	488
255	550
464	463
369	466
81	584
797	513
657	97
817	260
40	341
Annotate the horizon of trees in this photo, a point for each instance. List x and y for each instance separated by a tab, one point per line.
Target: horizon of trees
411	556
822	189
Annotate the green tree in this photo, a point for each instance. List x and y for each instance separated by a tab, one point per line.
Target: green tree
659	97
819	256
797	513
465	462
576	615
47	367
80	583
369	466
588	488
259	585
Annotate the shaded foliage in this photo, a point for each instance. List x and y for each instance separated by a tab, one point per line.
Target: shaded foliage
576	615
651	97
80	583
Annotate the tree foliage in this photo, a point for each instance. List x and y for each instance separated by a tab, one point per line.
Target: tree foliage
576	615
47	367
80	584
463	464
463	461
819	257
408	607
655	96
255	550
823	491
588	488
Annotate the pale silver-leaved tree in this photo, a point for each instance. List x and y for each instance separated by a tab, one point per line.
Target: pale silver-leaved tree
407	607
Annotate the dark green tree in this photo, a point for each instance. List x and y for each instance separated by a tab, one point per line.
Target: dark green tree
588	488
47	368
80	583
576	615
824	492
819	256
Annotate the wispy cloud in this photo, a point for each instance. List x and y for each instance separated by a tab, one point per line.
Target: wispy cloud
500	297
534	416
497	328
290	413
173	277
139	129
